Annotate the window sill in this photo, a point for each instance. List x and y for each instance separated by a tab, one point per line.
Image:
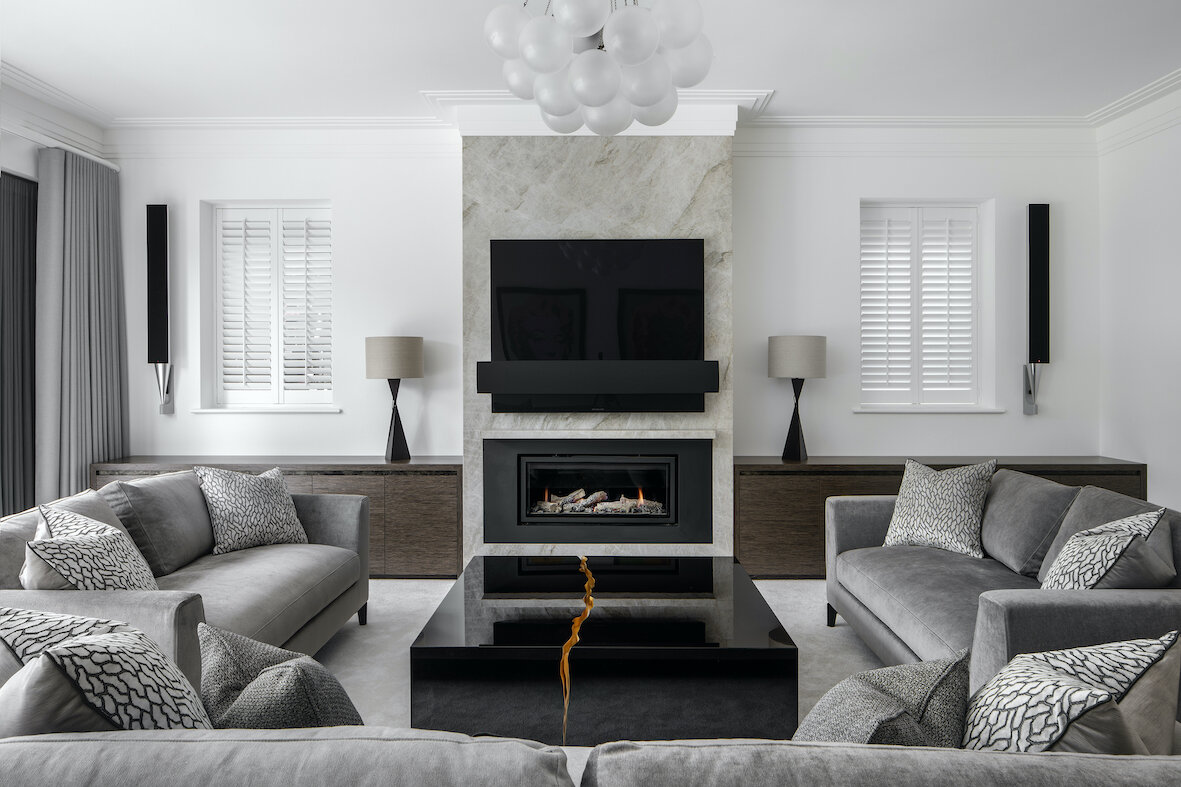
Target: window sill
928	409
297	409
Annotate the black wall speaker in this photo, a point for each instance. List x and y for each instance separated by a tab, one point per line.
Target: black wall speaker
157	284
1039	283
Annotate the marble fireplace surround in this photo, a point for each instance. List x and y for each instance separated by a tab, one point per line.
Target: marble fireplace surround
587	187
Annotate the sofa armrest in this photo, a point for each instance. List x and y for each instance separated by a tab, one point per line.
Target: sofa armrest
855	522
168	617
337	520
1031	620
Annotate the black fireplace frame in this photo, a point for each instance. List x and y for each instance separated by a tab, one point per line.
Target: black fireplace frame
693	483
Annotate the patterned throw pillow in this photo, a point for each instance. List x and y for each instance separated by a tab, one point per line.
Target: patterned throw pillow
74	552
249	510
1115	555
1119	698
103	680
25	633
252	685
941	508
907	705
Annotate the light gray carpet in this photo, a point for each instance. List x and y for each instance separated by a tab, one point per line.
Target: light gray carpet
373	662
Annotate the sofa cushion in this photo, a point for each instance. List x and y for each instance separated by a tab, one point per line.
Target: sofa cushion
284	758
1094	507
268	593
74	552
247	684
926	596
1117	698
1133	552
19	529
249	510
97	682
905	705
166	516
941	508
1021	517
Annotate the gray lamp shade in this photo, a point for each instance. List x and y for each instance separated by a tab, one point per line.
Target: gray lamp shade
393	357
802	357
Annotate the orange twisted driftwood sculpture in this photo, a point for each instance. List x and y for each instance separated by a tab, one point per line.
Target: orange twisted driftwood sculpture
564	668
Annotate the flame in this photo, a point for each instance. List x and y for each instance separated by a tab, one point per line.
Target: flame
641	497
564	666
547	494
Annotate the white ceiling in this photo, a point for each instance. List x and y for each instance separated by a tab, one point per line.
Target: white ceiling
370	58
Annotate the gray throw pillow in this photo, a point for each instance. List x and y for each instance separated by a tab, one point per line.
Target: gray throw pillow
249	510
74	552
166	516
1022	514
941	508
247	684
1118	698
907	705
119	680
1126	553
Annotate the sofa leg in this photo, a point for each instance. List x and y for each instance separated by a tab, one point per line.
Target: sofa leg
363	613
832	616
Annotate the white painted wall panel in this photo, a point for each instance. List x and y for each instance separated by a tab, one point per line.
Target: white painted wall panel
1140	415
796	198
397	254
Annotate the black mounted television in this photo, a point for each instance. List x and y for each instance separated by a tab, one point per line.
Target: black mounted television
598	300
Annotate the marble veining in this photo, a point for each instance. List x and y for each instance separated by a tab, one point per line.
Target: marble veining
587	187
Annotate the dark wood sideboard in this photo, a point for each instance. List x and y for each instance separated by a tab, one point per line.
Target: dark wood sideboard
779	506
414	506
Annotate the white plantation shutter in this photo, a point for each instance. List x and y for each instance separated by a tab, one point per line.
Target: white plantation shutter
887	331
245	240
274	305
919	305
307	300
947	253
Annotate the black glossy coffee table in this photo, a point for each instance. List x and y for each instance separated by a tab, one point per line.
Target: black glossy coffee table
681	647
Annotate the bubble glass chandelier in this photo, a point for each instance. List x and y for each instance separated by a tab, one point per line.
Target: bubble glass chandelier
600	63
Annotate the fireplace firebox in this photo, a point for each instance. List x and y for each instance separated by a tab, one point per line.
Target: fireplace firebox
598	491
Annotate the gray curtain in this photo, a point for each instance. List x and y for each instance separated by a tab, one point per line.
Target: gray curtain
81	352
18	260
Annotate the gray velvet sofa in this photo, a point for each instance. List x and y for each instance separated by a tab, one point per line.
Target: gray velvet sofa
375	755
781	763
911	603
295	596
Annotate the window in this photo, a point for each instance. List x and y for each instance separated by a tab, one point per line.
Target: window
274	306
920	306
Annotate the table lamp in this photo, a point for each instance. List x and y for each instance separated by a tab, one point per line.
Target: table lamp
394	358
796	357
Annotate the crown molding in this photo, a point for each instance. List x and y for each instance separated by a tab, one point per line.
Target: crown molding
916	121
1140	125
162	145
877	148
1167	84
500	113
284	123
54	97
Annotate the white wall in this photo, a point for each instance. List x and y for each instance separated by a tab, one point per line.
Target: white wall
397	255
797	193
18	155
1140	188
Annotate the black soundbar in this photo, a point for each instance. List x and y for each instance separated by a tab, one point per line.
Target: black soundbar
1039	283
157	289
545	378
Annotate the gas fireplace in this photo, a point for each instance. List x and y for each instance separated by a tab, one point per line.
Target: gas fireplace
598	491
